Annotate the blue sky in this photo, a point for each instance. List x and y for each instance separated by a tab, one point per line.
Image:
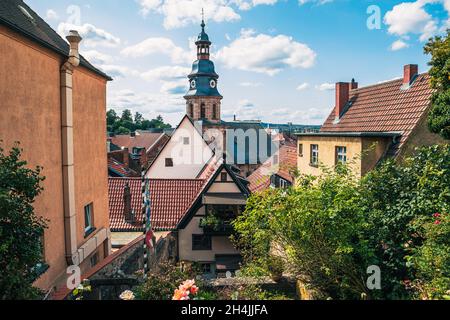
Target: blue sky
278	60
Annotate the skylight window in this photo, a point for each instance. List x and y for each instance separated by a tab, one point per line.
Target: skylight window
27	14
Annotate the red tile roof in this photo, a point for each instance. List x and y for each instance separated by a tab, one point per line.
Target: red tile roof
385	107
120	169
141	140
116	204
259	180
170	200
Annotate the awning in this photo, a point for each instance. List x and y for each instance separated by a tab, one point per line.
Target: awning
224	198
228	262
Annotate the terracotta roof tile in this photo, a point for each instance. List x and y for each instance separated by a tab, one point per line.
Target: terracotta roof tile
170	199
385	108
141	140
120	168
259	180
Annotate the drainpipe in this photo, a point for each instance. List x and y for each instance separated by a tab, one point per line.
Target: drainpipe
70	228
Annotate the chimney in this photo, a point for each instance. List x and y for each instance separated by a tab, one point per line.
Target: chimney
410	71
353	85
74	39
126	157
127	209
342	96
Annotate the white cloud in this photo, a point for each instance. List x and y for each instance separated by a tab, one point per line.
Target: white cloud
245	110
326	86
303	86
92	36
265	54
116	71
158	45
248	4
174	87
173	79
398	45
250	84
318	2
166	73
411	17
96	57
179	13
150	104
52	14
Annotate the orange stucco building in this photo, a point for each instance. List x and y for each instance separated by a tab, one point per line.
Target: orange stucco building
53	102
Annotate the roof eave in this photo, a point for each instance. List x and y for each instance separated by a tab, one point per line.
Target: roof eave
53	48
351	134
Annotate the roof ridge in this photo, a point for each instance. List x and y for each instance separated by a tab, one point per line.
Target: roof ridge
174	179
383	83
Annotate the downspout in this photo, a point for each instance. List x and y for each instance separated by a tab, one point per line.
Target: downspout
70	223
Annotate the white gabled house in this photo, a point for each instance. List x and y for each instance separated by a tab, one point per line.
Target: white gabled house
184	155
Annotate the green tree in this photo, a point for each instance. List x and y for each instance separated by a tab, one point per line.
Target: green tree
111	117
20	229
439	116
138	118
332	228
319	227
126	123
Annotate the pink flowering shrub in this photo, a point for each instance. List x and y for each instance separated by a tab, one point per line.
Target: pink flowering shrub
186	291
431	260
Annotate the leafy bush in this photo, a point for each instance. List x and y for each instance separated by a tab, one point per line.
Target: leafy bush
393	196
275	267
431	261
334	227
211	221
161	285
20	228
318	224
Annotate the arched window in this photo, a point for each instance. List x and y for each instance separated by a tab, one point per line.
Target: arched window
203	111
190	110
214	112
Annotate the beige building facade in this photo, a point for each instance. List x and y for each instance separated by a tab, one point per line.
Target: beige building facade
54	103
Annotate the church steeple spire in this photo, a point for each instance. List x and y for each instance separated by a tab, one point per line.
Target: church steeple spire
203	25
203	43
203	98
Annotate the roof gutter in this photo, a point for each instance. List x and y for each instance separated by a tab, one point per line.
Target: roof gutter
350	134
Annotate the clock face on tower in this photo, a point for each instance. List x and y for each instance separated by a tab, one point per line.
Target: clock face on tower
213	83
193	84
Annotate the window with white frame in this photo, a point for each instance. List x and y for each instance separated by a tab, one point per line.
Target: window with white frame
341	155
314	154
88	219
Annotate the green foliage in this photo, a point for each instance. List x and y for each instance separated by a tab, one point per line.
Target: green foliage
161	285
275	267
83	289
211	221
318	224
207	295
333	228
431	261
126	123
20	229
393	196
439	116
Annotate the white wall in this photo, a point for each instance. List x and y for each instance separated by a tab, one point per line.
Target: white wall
188	160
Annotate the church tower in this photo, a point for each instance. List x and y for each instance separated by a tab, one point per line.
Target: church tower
203	100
